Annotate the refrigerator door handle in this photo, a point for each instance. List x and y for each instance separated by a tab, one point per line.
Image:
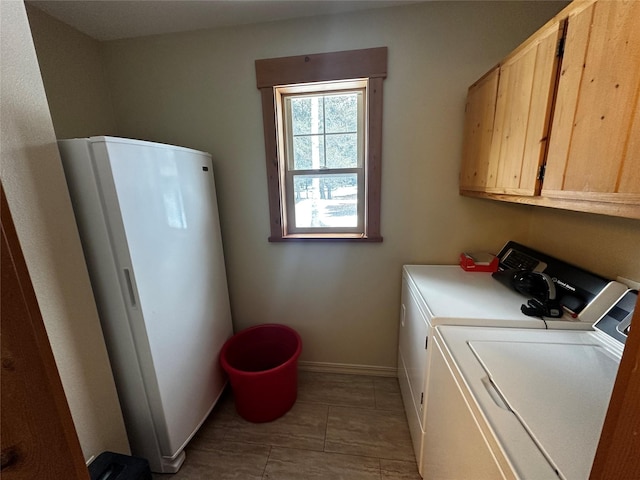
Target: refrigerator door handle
127	276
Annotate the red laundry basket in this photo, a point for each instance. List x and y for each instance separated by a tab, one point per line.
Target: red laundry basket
262	364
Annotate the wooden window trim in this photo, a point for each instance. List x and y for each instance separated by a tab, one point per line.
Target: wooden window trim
368	63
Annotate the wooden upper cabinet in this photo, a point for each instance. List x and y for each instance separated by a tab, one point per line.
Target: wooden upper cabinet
478	130
523	106
575	116
507	119
594	150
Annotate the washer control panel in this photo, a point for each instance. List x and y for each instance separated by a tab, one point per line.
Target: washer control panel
617	321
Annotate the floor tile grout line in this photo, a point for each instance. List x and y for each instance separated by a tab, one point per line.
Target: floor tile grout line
302	449
326	430
375	396
359	455
379	459
264	470
368	456
344	405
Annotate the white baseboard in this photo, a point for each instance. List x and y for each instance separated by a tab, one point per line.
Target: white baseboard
347	369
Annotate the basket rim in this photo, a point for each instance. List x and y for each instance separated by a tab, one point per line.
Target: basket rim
227	367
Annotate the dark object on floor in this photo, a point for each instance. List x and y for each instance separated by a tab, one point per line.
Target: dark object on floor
115	466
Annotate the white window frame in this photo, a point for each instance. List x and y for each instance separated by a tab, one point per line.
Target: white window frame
285	140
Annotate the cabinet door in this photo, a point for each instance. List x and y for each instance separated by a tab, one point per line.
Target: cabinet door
594	150
478	130
525	95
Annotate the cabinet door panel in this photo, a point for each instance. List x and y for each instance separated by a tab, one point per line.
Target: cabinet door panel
630	177
567	96
525	94
478	131
593	151
512	116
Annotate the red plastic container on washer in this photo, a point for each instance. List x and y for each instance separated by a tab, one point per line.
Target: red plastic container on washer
262	364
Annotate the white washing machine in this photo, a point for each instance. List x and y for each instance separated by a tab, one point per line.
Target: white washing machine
516	403
435	295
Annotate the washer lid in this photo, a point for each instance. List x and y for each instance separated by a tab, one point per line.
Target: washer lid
559	392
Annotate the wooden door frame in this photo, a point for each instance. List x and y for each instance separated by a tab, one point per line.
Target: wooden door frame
39	439
617	455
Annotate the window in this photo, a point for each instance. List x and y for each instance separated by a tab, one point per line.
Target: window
321	128
323	122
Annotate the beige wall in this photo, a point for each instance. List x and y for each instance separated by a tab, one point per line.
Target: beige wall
608	246
198	90
37	195
73	73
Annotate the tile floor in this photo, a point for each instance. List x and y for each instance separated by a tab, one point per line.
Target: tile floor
342	427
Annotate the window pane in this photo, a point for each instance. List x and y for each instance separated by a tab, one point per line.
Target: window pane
307	115
341	113
326	201
342	150
308	152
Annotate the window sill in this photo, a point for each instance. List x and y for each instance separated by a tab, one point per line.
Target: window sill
347	237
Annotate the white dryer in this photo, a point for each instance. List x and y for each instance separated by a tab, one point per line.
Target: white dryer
435	295
516	403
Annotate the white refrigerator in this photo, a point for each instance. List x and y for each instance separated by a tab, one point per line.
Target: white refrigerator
148	219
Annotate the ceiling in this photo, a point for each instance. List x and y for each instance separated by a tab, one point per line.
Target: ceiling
116	19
